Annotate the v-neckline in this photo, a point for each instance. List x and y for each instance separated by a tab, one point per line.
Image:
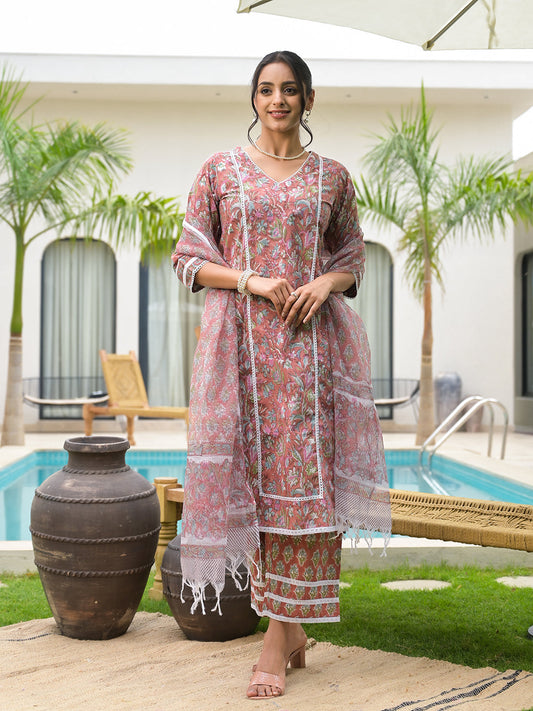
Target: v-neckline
276	182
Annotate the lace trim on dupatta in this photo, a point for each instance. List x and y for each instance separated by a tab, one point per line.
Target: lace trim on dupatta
249	328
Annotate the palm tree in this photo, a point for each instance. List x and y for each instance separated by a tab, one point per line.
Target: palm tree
431	204
58	177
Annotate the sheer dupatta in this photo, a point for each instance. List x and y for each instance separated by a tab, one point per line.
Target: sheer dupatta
219	528
362	501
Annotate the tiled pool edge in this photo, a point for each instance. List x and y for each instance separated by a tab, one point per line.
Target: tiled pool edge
16	557
10	455
419	551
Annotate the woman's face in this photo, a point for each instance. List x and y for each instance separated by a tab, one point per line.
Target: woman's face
278	101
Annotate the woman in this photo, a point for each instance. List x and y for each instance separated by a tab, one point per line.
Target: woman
285	450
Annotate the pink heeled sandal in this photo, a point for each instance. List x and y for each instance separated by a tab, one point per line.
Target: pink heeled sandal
296	660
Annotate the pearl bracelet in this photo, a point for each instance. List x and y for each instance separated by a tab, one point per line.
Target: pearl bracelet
243	280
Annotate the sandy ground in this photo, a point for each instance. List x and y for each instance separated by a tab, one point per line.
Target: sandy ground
153	666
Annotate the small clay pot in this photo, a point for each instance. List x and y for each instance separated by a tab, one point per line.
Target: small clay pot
237	619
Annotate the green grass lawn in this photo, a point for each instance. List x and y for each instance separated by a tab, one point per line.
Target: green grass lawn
477	621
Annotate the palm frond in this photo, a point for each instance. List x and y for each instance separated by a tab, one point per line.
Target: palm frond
480	196
379	202
12	111
12	91
154	223
407	185
57	170
417	244
524	198
74	159
406	154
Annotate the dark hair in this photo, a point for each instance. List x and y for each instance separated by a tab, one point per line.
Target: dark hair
302	76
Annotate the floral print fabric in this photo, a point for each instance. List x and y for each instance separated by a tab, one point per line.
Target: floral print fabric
297	578
284	435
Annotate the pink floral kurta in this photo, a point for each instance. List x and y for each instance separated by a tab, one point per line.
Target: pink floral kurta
284	434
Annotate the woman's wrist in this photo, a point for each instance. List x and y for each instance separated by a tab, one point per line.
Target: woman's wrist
327	281
243	281
338	281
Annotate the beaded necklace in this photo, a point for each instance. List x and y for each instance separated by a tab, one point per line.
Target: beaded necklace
273	155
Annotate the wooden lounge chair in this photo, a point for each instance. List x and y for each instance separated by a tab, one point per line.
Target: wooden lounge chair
127	395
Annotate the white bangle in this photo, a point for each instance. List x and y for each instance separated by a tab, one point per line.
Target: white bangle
243	280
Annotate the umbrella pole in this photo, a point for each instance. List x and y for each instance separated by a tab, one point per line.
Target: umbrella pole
429	44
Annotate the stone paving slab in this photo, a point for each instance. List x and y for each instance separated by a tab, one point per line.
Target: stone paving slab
517	581
416	585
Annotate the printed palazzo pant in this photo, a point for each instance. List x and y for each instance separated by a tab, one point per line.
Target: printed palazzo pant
297	577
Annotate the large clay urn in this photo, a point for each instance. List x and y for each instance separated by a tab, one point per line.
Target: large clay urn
238	619
94	527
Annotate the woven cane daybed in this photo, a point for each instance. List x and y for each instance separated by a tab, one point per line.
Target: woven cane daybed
445	518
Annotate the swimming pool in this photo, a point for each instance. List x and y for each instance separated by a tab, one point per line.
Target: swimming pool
19	480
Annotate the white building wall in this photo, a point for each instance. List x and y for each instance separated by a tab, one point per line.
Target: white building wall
170	139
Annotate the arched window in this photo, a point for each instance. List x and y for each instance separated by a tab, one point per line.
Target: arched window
169	314
374	305
78	319
527	325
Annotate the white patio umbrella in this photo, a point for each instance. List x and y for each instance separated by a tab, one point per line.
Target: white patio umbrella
432	24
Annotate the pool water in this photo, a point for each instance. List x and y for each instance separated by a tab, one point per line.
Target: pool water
19	480
452	478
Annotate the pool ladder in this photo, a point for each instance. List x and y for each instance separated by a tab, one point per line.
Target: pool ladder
472	404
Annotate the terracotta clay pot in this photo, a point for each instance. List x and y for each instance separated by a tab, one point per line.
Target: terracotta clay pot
237	619
94	526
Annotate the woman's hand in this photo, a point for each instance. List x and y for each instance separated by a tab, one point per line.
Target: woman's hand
221	277
305	301
297	306
275	290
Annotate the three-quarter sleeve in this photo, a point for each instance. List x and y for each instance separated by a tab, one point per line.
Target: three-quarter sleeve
344	237
201	228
